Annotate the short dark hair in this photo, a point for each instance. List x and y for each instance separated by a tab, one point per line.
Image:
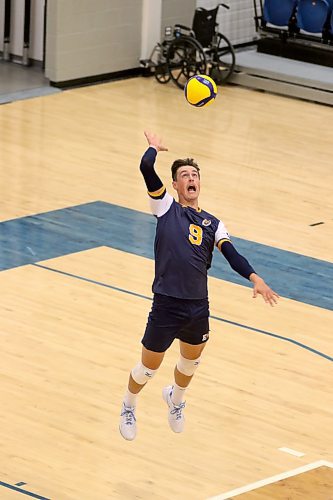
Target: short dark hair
183	163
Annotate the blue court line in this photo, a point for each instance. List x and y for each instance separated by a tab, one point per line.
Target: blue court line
276	336
25	492
217	318
82	278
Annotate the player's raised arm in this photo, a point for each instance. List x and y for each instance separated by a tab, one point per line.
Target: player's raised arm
160	200
152	180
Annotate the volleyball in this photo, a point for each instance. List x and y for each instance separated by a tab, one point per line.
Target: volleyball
200	90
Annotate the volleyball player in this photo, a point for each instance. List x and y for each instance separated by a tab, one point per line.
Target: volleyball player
184	244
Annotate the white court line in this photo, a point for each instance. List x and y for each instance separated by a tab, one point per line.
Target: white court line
292	452
273	479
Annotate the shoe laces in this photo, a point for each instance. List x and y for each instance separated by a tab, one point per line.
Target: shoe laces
177	410
128	413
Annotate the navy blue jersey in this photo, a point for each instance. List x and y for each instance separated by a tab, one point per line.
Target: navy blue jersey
184	242
184	245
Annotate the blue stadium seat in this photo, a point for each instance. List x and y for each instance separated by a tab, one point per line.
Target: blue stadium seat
330	21
312	14
278	12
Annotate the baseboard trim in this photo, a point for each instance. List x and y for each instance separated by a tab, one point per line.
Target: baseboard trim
88	80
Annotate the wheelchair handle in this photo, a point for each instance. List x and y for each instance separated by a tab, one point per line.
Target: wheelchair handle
224	5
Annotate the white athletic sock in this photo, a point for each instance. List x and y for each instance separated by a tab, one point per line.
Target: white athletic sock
130	399
178	394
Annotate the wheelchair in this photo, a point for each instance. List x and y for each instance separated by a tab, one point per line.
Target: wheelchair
186	52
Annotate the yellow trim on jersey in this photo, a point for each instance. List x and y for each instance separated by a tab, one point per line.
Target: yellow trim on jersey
196	209
159	192
220	243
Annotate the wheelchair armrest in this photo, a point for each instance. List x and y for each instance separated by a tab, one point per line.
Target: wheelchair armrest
181	26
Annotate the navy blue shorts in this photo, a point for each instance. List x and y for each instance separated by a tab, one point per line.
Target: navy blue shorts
172	318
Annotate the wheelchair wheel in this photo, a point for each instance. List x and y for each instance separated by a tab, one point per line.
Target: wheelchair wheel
161	73
185	58
223	60
158	60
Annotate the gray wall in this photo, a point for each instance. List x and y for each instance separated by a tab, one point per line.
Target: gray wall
88	38
93	37
177	11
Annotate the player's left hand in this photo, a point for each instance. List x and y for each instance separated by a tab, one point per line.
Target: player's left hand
261	288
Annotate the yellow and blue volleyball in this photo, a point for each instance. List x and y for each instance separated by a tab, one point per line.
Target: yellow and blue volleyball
200	90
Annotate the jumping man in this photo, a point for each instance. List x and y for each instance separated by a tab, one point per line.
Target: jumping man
184	244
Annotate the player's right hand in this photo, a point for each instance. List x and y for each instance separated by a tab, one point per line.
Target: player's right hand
155	141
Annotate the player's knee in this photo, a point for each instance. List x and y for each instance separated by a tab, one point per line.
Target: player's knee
187	366
141	374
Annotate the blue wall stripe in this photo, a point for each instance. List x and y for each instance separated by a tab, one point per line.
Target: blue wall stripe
240	325
53	234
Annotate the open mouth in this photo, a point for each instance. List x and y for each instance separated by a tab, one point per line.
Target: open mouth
191	189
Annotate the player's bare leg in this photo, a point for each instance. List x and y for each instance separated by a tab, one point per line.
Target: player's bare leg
174	394
139	376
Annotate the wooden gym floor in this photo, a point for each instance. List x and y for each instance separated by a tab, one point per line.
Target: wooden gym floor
76	271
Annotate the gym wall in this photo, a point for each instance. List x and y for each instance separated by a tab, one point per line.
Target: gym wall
174	11
86	38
